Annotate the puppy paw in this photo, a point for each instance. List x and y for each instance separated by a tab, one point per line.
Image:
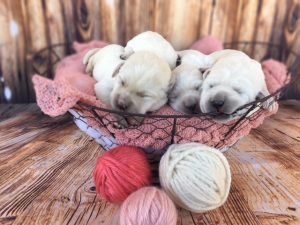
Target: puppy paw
121	123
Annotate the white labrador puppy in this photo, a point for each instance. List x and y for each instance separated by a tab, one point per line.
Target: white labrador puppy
102	64
137	85
142	84
185	95
155	43
233	80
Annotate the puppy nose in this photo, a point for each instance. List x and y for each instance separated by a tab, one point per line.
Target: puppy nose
121	104
192	107
218	103
190	104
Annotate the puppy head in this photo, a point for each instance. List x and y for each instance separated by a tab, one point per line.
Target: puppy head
185	95
141	84
223	93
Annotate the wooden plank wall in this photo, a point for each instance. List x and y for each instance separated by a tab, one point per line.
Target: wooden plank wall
30	25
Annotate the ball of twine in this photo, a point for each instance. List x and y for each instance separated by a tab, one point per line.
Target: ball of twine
195	176
148	206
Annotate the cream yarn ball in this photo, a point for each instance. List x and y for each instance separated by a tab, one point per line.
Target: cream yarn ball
195	176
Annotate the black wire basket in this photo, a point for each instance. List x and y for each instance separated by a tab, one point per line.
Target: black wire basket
158	131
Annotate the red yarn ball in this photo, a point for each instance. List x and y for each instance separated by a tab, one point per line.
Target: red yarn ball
121	171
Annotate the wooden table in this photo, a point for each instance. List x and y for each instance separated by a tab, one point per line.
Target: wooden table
46	169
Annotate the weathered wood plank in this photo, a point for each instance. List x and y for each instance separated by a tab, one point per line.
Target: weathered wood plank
36	36
205	22
264	24
174	26
292	37
246	21
55	25
112	21
10	84
68	20
84	16
138	16
224	20
19	42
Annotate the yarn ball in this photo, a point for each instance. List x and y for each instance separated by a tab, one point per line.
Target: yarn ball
121	171
195	176
208	45
276	73
148	206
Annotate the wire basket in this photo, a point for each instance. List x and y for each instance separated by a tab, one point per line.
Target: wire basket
158	131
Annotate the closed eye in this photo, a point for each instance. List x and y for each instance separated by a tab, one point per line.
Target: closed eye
142	94
238	90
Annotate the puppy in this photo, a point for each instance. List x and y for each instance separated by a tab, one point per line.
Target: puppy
232	80
141	84
103	64
137	85
155	43
185	95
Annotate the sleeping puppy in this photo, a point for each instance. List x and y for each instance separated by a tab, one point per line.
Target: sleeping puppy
185	95
141	84
102	64
155	43
234	79
137	85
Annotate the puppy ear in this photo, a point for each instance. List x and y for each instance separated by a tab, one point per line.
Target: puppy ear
88	60
117	69
205	74
87	57
127	53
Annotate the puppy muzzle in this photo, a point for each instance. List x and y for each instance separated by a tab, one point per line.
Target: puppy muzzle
191	103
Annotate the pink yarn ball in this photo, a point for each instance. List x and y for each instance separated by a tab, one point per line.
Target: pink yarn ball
120	172
208	45
148	206
276	74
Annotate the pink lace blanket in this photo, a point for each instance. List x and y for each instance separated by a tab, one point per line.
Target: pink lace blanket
71	85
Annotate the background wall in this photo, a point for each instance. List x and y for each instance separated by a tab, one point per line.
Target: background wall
26	26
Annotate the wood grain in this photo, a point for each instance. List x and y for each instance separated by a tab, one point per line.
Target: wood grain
8	55
178	28
264	26
46	170
42	23
205	13
112	21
